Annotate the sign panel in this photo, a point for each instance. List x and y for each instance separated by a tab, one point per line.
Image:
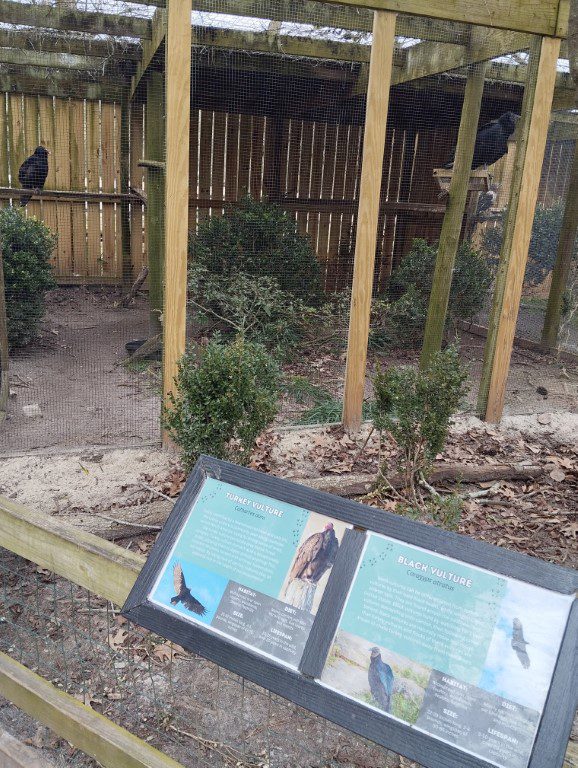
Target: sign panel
252	568
458	652
447	650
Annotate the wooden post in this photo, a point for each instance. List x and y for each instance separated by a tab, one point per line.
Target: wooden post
536	106
126	265
4	385
155	211
178	116
454	215
563	263
380	68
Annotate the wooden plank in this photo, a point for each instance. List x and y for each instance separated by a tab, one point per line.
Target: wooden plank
257	132
54	60
194	168
137	175
304	182
78	182
31	140
231	165
205	157
562	267
16	754
155	209
151	49
327	182
51	86
518	226
452	224
178	111
89	731
245	142
17	135
4	159
84	559
338	194
44	41
72	20
61	164
108	178
4	349
315	182
123	229
352	173
93	177
47	136
373	145
218	173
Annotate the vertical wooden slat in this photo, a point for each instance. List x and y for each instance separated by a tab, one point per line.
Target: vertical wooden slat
123	233
536	106
218	173
257	132
272	159
327	194
193	169
47	138
137	225
304	183
31	142
380	68
17	138
316	177
345	268
295	130
4	165
60	160
245	141
78	182
336	218
93	175
178	111
108	175
155	210
232	157
205	156
453	218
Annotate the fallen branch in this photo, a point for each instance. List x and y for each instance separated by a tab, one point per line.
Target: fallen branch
136	286
149	347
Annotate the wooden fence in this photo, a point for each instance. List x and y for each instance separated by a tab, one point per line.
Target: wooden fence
109	571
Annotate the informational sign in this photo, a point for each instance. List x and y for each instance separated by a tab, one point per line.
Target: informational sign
250	567
452	652
458	652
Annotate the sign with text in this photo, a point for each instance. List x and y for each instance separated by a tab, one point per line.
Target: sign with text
452	652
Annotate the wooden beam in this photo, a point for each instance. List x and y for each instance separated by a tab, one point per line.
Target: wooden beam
562	267
73	20
86	729
150	49
87	560
452	223
531	143
4	356
155	210
53	60
47	41
178	113
62	88
380	69
68	195
125	233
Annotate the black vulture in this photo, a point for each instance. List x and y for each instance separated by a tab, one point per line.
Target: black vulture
184	593
315	556
491	141
519	644
380	678
33	172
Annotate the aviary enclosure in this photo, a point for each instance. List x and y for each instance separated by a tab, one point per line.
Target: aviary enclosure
340	119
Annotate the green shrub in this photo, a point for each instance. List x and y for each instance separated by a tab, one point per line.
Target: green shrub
27	246
224	399
415	407
259	239
543	242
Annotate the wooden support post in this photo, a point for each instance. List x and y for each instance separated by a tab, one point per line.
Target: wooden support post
452	223
380	69
561	271
127	266
531	144
4	384
178	116
155	211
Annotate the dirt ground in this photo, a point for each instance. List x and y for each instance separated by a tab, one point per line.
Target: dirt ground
82	396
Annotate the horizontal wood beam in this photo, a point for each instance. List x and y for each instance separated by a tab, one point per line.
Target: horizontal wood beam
150	49
87	560
50	42
62	89
320	14
73	20
69	196
326	205
86	729
53	60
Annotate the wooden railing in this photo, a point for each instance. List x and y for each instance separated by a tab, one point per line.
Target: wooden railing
109	571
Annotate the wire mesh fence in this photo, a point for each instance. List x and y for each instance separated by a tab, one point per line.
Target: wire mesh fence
193	710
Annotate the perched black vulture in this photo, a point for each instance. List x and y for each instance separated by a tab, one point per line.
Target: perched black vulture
315	556
380	678
519	644
33	172
491	141
184	593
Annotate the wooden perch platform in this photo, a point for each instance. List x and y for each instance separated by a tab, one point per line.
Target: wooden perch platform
67	196
480	180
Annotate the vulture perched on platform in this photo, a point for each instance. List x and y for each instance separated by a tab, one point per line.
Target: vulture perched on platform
491	141
33	172
315	556
380	678
184	593
519	644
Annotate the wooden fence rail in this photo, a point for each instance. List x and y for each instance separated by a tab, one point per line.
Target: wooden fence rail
110	572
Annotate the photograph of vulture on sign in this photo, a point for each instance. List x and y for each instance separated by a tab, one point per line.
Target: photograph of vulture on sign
460	653
250	567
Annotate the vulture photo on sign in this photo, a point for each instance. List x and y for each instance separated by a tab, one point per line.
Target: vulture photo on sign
314	557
